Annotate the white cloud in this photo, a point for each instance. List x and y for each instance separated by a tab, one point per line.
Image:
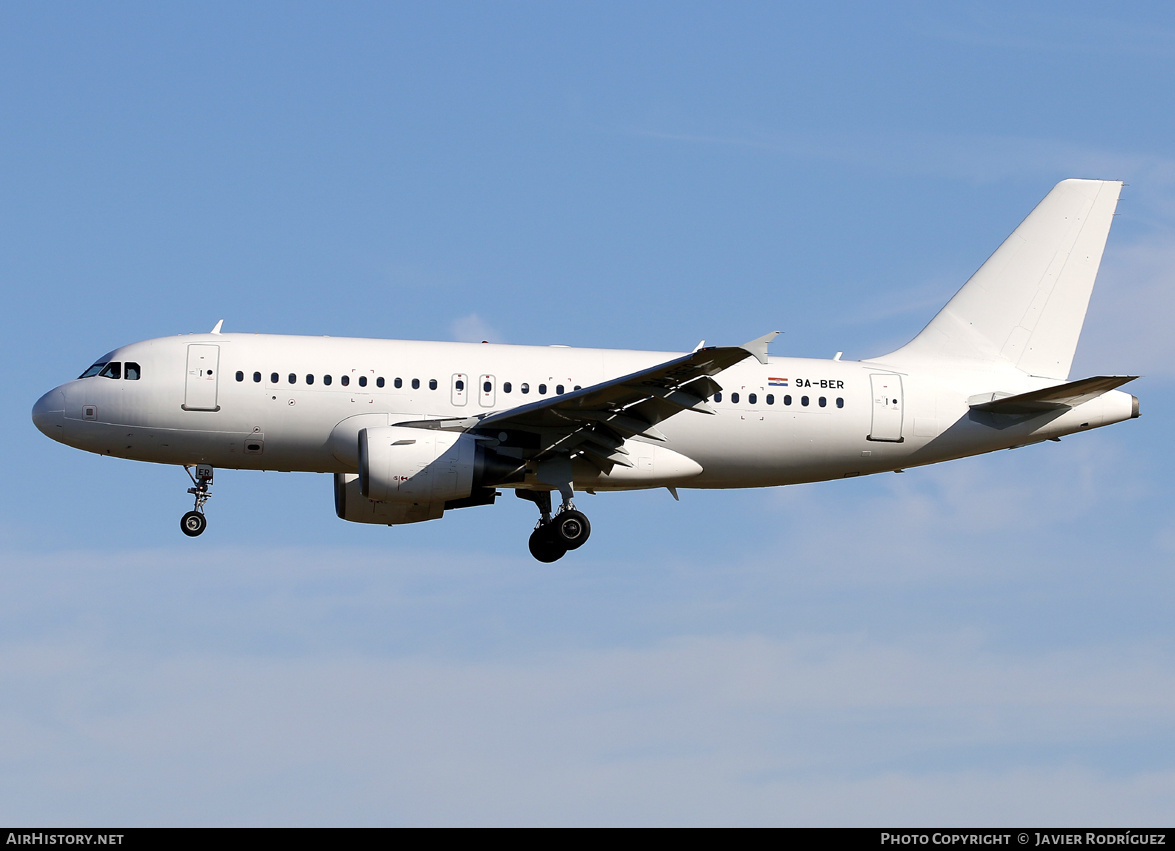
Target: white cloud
819	729
999	515
473	329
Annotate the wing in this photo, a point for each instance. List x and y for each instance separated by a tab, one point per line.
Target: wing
594	422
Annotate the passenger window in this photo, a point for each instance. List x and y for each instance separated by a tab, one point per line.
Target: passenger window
415	383
273	378
717	397
112	370
309	378
840	403
432	384
132	371
344	380
507	387
363	381
240	375
804	401
398	383
487	387
326	379
734	398
293	378
770	399
461	385
559	389
524	388
379	382
823	401
787	400
543	389
576	387
752	399
257	378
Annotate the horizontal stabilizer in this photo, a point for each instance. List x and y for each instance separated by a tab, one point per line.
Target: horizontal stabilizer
1068	395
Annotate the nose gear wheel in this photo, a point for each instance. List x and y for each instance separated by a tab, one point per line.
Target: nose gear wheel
193	523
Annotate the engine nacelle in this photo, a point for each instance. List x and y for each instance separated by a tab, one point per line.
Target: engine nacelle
407	475
398	464
352	505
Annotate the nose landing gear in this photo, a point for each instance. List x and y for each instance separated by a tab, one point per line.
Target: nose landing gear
555	535
194	522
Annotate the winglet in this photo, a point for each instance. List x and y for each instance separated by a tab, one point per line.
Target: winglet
219	324
758	346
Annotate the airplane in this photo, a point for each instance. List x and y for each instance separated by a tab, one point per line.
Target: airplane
410	429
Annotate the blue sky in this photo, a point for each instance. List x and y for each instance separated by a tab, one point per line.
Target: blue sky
983	642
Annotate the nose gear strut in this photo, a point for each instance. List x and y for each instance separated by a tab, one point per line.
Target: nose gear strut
194	522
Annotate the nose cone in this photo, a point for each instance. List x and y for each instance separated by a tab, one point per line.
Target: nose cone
49	414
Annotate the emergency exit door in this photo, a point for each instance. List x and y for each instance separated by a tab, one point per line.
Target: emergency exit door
460	389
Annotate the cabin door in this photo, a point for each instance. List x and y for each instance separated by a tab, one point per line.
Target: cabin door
887	408
200	383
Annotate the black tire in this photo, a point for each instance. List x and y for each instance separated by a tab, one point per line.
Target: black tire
572	528
193	523
546	546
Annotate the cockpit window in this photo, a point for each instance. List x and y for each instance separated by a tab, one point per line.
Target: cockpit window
112	370
94	370
132	371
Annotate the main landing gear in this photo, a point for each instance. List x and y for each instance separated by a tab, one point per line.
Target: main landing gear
554	535
194	522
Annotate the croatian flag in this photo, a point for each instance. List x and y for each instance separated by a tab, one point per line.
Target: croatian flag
777	382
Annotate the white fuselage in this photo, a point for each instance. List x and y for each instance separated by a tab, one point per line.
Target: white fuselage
263	402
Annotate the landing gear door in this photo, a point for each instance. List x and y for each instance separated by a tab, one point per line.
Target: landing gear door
200	383
887	408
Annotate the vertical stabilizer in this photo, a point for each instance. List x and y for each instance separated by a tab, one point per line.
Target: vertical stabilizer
1026	304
